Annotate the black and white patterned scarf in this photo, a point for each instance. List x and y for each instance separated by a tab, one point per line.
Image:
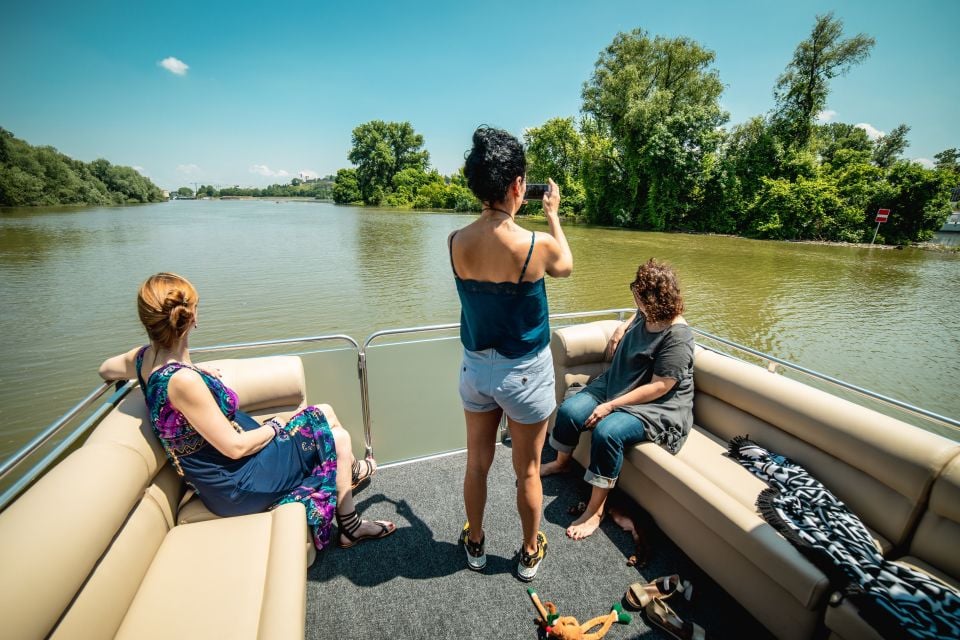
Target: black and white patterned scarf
897	601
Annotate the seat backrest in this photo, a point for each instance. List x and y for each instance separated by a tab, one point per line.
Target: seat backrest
75	547
578	353
937	540
881	467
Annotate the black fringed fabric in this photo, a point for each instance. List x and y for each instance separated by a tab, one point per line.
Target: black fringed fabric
898	602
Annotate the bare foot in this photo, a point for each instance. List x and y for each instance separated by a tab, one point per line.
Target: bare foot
553	467
584	526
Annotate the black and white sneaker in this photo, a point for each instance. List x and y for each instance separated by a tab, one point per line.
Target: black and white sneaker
476	556
529	563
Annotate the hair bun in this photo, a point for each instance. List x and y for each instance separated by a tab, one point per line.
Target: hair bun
180	316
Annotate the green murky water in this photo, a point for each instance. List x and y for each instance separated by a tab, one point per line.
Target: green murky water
884	319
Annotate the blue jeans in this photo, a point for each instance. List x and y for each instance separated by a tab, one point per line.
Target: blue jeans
616	431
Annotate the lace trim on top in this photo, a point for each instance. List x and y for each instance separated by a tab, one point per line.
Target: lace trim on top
499	288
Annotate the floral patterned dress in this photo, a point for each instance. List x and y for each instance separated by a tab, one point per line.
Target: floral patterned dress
299	465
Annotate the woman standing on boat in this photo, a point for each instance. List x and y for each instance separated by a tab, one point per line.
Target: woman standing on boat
646	394
499	269
236	465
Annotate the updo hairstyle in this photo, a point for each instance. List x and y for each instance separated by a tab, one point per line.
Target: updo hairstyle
495	161
656	286
167	305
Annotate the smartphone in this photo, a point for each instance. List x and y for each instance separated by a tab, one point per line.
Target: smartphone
536	191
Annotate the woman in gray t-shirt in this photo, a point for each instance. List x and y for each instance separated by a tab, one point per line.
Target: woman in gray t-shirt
646	394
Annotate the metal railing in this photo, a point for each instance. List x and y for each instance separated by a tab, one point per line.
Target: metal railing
882	399
37	469
56	427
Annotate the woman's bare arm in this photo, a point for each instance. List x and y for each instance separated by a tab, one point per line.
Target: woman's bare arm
121	367
190	395
559	263
642	394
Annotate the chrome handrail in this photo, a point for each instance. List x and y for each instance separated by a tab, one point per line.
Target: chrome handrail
13	461
365	385
40	439
873	395
34	472
240	346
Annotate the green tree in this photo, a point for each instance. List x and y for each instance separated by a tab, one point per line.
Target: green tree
656	99
381	150
836	136
44	176
888	148
296	182
801	91
555	150
918	199
185	192
948	160
345	187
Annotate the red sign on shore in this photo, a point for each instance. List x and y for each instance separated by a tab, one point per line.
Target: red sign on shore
882	215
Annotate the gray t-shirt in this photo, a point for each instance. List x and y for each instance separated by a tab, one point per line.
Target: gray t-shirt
640	355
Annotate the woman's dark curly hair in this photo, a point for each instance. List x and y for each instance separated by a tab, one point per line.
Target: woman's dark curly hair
495	161
657	288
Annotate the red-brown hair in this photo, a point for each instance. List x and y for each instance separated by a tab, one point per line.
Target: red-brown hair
656	286
167	305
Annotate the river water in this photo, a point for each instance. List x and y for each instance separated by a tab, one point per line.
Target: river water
883	319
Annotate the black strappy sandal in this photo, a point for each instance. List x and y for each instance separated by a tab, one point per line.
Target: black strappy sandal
360	473
348	524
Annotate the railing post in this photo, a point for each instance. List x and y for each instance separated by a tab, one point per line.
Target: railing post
365	400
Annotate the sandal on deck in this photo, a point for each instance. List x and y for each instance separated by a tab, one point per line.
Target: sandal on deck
348	524
663	617
361	471
640	594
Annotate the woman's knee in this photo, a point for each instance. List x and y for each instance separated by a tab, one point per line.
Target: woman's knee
329	414
576	409
607	435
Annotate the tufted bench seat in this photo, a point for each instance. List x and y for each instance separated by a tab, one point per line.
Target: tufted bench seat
98	546
902	481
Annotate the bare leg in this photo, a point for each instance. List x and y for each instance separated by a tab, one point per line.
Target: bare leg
561	464
527	444
345	504
590	520
481	445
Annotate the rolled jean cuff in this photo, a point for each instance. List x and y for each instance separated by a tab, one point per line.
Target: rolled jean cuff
599	481
559	446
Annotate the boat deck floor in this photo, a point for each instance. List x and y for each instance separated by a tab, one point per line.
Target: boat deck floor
415	583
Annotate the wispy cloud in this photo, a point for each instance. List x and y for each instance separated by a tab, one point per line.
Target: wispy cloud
826	116
174	66
264	170
927	163
139	169
872	132
188	169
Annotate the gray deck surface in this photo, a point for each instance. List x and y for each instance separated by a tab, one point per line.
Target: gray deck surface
415	584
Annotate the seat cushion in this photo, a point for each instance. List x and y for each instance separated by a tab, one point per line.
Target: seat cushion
721	494
227	578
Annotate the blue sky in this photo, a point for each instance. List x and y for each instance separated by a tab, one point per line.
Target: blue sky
274	89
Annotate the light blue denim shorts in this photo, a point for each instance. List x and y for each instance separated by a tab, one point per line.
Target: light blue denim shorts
522	387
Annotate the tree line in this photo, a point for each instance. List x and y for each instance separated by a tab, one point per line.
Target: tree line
650	150
43	176
320	189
